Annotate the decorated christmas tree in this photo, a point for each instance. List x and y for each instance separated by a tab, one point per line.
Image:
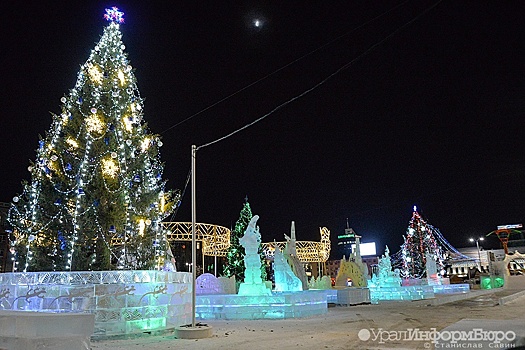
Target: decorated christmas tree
235	255
96	196
421	239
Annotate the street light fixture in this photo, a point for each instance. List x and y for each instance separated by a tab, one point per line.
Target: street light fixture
477	246
189	267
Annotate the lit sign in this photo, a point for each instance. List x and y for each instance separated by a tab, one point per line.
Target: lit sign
506	227
366	248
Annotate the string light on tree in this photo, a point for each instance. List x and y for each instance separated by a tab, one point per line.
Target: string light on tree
421	240
84	208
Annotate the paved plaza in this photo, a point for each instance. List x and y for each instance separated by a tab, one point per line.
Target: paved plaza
381	326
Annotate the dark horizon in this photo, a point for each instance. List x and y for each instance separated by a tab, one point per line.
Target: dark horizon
427	113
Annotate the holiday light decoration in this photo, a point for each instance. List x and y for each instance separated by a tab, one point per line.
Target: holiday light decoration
93	199
121	77
95	73
128	123
145	144
421	240
114	15
72	142
95	124
235	253
110	168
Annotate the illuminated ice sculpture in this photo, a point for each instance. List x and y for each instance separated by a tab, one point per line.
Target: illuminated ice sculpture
253	284
386	285
290	254
123	301
255	300
385	276
354	269
285	279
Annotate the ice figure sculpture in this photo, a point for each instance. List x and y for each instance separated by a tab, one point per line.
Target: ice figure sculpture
290	254
285	279
385	276
253	284
324	282
433	278
291	248
209	284
387	284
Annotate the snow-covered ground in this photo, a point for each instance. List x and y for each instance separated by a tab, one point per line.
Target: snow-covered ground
343	327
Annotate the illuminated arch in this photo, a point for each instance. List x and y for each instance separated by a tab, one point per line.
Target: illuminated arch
215	239
307	251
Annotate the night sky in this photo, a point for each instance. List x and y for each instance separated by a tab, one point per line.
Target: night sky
427	111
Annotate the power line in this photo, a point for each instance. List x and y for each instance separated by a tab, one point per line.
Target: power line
285	66
310	89
345	66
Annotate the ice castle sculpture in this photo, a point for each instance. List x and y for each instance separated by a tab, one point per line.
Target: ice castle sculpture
253	284
385	276
352	269
290	254
285	279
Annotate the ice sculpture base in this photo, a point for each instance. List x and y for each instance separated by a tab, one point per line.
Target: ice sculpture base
353	296
278	305
451	288
401	293
123	302
27	330
331	295
248	289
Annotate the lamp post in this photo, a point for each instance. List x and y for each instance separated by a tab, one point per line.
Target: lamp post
477	246
193	331
193	233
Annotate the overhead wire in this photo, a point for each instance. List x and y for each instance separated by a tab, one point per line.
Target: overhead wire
340	69
285	66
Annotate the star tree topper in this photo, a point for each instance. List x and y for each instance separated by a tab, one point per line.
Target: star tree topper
114	15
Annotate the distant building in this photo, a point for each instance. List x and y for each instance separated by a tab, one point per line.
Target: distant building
332	266
516	240
461	268
345	241
346	245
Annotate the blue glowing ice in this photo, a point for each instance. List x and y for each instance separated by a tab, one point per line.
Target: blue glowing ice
285	279
253	284
385	276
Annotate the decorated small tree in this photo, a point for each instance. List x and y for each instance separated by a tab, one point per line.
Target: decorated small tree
235	254
421	239
96	196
